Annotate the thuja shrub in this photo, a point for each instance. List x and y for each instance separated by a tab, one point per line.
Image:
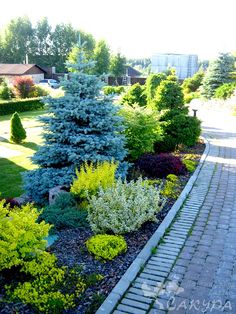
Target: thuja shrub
106	247
136	94
160	165
124	207
18	133
92	176
21	237
23	86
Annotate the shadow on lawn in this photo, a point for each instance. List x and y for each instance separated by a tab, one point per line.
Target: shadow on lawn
30	145
10	178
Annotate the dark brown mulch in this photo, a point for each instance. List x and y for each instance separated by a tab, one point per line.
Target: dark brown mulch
71	251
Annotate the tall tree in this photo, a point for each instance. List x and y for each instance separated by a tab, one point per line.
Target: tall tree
42	45
18	38
218	73
101	57
117	66
63	39
84	126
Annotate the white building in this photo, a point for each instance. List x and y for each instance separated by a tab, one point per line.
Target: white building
184	64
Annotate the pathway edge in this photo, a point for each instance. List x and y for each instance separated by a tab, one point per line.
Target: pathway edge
120	288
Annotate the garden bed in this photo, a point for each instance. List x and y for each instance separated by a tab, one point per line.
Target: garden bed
71	251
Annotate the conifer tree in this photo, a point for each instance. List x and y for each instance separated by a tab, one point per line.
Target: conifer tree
18	133
218	73
83	125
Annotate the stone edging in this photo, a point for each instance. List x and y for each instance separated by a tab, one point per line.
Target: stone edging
118	291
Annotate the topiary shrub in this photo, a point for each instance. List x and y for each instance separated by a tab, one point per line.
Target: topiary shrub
64	213
225	91
135	95
124	207
106	247
160	165
91	177
142	130
23	86
18	133
178	129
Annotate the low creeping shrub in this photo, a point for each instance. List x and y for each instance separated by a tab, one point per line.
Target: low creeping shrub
160	165
106	247
64	213
225	91
124	207
189	164
171	186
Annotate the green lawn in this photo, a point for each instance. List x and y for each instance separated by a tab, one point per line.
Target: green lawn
11	168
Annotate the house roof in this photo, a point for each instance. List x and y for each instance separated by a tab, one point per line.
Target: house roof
132	72
17	69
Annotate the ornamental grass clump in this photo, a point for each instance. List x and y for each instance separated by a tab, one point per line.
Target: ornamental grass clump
105	246
124	207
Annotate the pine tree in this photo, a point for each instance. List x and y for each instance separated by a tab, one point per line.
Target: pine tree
83	126
218	73
18	133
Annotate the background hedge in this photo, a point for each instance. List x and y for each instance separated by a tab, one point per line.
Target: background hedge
20	105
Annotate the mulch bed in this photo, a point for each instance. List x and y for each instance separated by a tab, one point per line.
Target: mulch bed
71	251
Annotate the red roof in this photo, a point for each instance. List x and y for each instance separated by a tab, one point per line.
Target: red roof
16	69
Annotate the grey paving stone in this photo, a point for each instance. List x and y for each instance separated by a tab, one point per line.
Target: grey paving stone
135	304
139	298
131	310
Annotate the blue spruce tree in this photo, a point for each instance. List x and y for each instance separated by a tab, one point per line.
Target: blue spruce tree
83	125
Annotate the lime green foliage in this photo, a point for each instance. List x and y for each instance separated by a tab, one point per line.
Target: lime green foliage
106	247
169	95
108	90
225	91
188	97
45	290
189	164
21	237
171	186
91	177
191	84
124	207
136	94
64	213
142	130
18	133
153	81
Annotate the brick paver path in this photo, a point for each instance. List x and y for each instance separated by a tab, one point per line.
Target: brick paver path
194	268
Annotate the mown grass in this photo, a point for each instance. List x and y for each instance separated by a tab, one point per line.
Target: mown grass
11	168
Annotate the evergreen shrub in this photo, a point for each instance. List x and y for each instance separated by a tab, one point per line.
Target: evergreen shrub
142	130
64	213
106	247
18	133
135	95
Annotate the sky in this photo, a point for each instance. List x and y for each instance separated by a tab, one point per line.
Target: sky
141	28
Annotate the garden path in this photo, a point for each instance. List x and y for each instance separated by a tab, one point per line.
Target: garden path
194	267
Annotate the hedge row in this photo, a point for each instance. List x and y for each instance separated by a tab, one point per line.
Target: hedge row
20	105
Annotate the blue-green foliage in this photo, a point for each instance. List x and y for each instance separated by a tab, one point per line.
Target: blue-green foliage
83	126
